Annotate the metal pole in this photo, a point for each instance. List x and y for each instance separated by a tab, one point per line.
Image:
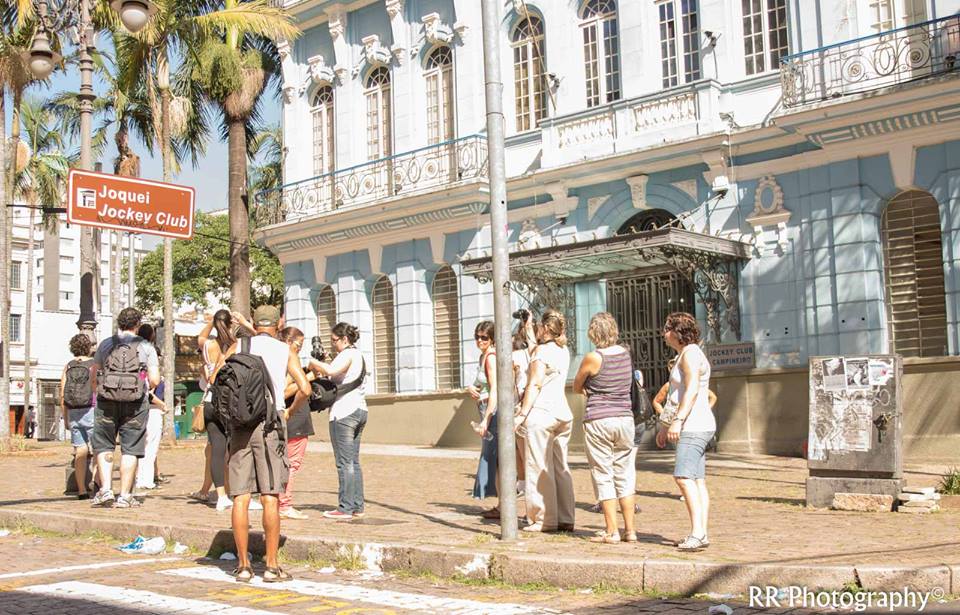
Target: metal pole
89	237
501	275
131	284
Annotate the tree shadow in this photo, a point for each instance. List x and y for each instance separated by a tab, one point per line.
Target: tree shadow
773	500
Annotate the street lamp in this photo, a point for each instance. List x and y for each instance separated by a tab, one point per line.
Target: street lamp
41	58
134	13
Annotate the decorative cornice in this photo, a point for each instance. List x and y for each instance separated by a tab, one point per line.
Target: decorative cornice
769	211
290	93
283	49
319	71
374	53
638	190
884	126
394	7
435	31
337	22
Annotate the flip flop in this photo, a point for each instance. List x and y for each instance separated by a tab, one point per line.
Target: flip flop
243	574
276	575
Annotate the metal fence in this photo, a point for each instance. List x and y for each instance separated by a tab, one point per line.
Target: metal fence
872	62
433	166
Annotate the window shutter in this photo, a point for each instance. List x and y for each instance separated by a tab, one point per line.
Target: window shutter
384	336
326	313
446	329
913	271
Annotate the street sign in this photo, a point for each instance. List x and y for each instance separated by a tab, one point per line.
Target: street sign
130	204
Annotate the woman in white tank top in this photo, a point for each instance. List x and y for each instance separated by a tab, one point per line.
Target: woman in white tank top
693	425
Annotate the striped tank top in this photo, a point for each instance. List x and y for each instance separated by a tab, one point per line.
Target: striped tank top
608	392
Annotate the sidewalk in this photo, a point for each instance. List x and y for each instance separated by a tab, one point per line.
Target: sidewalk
420	516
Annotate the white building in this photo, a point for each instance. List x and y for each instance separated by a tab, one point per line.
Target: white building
54	318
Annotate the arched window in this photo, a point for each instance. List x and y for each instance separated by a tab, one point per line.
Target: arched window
379	132
326	313
322	110
601	51
440	114
529	73
913	275
446	328
384	336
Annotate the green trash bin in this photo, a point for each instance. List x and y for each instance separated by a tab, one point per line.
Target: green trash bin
193	399
191	395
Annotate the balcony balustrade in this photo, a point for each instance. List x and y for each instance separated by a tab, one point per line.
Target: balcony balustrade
872	62
399	175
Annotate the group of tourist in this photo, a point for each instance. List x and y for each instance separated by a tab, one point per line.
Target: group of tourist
543	422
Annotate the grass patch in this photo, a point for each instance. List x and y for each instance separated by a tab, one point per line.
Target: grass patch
536	586
481	539
349	560
950	483
14	444
605	587
313	559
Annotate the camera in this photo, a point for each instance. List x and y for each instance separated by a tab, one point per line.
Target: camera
522	314
317	351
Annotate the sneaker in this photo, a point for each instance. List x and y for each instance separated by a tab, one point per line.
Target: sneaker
293	513
224	504
162	479
103	498
127	502
255	505
83	496
336	514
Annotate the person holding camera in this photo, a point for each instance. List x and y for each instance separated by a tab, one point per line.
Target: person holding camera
545	421
348	417
299	425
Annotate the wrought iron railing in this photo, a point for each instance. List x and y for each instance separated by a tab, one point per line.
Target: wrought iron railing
872	62
406	173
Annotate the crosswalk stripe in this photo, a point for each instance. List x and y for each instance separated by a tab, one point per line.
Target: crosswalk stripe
122	596
421	603
126	562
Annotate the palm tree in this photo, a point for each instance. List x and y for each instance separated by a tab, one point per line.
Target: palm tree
234	69
39	182
266	150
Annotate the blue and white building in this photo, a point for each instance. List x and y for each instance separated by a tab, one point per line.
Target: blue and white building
789	170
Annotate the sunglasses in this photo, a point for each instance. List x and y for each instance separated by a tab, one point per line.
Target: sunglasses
482	338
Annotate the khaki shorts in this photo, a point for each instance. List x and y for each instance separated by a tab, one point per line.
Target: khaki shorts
257	465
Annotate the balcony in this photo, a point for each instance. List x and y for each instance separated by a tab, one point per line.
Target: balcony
645	121
872	62
400	175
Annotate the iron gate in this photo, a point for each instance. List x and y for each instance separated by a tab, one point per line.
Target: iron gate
641	304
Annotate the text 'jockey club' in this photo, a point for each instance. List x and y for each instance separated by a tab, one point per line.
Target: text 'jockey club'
129	213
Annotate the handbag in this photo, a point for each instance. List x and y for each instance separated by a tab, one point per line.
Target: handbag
325	392
198	424
640	403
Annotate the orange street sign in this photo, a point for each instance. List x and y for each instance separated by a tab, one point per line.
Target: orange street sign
129	204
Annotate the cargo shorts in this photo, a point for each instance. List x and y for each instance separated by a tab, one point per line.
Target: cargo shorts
258	464
126	419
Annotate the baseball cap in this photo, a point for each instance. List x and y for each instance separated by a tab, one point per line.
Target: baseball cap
266	316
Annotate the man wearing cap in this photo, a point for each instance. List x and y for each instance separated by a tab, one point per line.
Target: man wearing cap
258	461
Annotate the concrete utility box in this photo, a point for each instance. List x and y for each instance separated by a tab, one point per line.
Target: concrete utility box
855	442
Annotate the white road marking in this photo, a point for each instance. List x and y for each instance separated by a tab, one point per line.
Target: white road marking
420	603
126	562
122	596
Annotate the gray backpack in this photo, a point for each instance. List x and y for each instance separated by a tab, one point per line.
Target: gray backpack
119	378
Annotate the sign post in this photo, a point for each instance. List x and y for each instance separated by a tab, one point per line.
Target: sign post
130	204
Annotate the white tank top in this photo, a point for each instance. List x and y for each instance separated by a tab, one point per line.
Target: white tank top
701	416
553	397
275	355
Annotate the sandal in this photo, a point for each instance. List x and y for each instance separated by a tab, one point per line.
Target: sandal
276	575
630	537
243	574
200	496
493	513
692	543
605	538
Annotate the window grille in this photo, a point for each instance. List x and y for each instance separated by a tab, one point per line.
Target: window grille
323	134
601	40
16	279
679	42
446	329
913	273
16	332
439	77
530	82
326	313
764	34
379	132
384	336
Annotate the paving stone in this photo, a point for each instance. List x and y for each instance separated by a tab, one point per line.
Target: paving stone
862	502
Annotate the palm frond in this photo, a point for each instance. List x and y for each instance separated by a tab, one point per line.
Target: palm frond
256	17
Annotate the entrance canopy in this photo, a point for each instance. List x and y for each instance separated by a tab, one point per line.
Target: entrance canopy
710	264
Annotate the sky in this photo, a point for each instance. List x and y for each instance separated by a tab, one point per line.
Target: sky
209	178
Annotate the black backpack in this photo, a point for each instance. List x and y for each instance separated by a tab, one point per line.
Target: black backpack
325	392
119	378
243	392
77	386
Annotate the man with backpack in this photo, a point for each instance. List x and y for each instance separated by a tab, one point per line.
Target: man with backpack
126	368
76	400
248	396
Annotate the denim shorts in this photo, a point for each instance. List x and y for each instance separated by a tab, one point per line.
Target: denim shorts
81	425
691	461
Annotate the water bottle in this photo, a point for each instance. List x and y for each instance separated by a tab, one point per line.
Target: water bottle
638	376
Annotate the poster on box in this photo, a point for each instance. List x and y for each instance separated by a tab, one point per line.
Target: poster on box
834	374
857	376
880	372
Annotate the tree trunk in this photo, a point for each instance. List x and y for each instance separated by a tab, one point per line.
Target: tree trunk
169	349
5	228
239	217
28	311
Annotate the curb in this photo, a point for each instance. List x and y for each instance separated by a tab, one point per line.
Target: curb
650	575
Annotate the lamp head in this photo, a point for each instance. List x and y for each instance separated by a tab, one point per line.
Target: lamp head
134	13
41	58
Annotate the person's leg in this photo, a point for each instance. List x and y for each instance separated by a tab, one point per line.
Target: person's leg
103	443
240	520
218	457
340	436
128	472
80	468
599	457
271	527
358	504
566	502
691	497
536	465
296	448
704	505
133	442
625	469
146	467
348	446
207	480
